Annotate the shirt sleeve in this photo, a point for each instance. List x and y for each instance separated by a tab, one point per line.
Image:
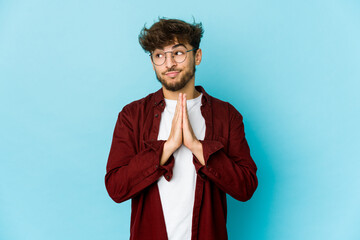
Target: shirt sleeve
129	170
232	169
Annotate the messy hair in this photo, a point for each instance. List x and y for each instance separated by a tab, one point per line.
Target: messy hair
167	31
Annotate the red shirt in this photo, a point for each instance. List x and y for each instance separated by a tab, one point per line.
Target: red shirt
133	167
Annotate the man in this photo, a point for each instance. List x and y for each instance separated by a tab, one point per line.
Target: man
178	151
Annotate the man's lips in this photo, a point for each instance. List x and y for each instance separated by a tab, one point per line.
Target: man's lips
172	74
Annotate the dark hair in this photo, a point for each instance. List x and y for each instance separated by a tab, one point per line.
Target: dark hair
166	31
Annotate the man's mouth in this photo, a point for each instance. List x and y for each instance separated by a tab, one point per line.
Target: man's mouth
172	74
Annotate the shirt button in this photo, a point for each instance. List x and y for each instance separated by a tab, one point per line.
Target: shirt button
167	177
162	104
156	166
155	103
156	115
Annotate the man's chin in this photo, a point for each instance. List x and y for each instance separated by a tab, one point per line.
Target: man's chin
177	83
172	84
173	87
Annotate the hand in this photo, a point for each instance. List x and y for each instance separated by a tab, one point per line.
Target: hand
175	138
189	139
182	133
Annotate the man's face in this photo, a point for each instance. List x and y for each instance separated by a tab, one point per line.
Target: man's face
175	76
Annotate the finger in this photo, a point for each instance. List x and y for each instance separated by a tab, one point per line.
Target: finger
178	107
181	106
186	122
178	104
184	105
185	114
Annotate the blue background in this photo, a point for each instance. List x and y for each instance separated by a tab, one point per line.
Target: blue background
290	67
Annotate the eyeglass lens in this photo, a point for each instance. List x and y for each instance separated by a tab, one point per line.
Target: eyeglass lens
178	54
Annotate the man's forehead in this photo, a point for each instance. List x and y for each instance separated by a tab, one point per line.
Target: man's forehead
173	44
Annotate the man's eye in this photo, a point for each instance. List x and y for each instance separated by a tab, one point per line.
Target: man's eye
177	53
159	55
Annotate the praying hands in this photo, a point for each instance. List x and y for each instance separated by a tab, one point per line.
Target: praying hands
182	134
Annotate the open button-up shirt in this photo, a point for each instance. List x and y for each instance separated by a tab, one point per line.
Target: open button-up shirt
133	167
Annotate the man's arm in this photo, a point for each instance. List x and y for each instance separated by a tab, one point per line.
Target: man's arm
233	171
130	171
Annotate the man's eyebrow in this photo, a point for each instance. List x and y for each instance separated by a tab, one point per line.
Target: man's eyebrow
177	45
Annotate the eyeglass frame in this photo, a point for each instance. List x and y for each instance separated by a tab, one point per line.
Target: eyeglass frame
151	55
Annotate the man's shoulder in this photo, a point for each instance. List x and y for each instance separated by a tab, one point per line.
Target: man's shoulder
142	103
216	102
223	108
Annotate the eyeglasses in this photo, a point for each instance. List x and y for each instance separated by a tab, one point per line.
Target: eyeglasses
179	54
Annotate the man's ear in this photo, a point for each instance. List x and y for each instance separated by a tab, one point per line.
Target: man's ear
198	56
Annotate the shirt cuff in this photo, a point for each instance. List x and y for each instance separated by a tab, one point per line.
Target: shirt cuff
157	146
209	148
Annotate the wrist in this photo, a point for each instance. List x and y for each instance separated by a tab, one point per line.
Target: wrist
170	147
196	146
166	153
197	150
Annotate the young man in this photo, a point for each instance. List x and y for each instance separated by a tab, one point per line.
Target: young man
178	151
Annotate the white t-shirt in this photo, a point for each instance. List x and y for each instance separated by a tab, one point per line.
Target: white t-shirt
177	195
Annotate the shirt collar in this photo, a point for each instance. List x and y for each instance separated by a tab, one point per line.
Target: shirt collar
159	96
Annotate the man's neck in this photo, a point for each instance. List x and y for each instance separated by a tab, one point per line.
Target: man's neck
189	90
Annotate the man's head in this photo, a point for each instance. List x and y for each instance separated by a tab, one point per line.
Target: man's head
174	49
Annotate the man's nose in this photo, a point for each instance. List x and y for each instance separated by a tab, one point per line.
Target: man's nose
169	60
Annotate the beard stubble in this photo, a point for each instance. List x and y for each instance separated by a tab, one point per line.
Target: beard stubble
188	75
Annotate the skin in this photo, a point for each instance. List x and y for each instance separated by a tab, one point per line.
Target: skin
181	132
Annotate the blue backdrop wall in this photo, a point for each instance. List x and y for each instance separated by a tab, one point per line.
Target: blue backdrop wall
290	67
